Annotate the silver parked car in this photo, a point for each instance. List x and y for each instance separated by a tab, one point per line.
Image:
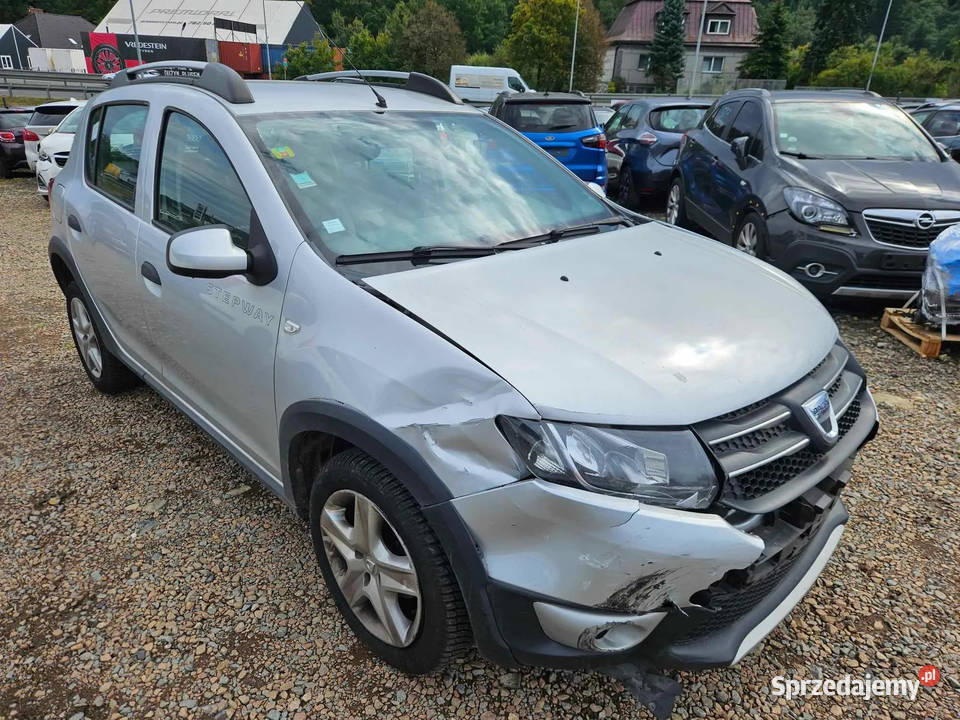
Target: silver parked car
515	415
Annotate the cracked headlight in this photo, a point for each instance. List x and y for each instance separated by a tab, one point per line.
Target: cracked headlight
659	467
813	208
43	156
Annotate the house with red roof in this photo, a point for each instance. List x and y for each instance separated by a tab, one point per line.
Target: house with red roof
729	33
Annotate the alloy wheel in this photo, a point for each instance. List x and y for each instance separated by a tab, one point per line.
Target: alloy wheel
747	239
372	567
86	337
673	204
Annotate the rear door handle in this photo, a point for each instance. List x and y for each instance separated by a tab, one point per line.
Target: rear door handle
150	273
73	223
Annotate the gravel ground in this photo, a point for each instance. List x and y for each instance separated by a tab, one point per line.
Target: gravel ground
144	574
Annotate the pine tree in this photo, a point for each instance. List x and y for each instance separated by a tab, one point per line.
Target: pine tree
666	52
838	24
769	59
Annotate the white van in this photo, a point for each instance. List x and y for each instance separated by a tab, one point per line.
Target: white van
483	84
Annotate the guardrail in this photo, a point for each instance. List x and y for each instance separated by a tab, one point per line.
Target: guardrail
28	83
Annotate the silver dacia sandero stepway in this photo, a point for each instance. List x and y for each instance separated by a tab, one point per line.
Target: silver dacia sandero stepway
515	415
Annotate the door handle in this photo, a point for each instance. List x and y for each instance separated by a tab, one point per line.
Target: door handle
150	273
73	223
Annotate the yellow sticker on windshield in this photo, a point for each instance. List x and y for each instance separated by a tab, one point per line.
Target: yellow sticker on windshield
282	152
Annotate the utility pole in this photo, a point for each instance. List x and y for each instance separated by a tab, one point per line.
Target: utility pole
876	55
573	55
136	35
696	56
266	41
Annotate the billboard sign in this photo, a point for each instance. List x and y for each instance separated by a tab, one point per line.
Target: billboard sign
110	52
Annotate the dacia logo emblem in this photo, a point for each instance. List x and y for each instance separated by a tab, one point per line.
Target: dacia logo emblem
820	410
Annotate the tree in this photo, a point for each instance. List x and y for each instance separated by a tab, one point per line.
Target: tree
769	59
900	70
666	51
838	24
541	42
305	59
484	23
609	9
366	50
430	41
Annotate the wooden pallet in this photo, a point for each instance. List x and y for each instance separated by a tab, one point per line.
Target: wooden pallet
923	340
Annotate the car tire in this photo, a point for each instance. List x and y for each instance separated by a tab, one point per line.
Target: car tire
751	235
676	213
418	628
625	192
107	373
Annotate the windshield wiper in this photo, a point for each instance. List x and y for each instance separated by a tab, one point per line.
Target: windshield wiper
561	232
799	155
424	254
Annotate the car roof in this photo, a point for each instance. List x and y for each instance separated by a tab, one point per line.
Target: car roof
778	96
546	97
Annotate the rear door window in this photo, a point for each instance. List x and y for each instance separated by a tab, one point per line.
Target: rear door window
945	123
548	117
720	119
113	150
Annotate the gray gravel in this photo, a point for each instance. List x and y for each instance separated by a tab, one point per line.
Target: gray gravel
144	574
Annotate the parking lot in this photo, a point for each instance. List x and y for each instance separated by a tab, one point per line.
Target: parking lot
144	574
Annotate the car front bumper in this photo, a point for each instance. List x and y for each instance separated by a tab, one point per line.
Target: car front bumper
831	264
47	170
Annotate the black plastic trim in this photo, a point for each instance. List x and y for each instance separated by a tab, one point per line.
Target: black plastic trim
216	78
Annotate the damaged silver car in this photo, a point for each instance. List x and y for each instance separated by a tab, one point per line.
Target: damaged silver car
515	415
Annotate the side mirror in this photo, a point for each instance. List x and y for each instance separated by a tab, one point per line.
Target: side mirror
597	189
206	252
739	148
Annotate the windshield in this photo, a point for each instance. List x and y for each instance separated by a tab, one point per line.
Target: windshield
539	117
676	119
852	130
371	182
70	122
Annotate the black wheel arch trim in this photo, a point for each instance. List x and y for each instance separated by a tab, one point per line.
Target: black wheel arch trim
58	251
427	488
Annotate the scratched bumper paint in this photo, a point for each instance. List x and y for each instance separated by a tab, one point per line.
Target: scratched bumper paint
598	550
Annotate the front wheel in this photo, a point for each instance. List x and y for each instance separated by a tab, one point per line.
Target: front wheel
384	566
676	213
751	236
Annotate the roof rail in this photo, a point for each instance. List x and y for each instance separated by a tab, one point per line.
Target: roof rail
415	82
213	77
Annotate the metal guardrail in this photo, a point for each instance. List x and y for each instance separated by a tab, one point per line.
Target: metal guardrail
27	83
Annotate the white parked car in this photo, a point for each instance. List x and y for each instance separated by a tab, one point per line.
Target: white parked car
54	150
44	121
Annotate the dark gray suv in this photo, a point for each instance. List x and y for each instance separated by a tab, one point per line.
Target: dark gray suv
843	191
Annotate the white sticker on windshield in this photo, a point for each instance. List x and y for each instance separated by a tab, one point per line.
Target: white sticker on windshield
333	226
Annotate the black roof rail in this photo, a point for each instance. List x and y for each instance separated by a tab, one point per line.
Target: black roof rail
415	82
214	77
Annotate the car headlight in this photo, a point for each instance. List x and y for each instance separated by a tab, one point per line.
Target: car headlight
43	156
659	467
814	209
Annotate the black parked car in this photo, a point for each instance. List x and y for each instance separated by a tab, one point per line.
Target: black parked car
841	190
642	143
12	122
943	122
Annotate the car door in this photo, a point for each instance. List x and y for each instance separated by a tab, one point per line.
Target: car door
703	168
102	222
218	336
738	180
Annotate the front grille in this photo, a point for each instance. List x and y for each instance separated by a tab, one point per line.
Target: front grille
886	282
763	446
732	603
61	158
903	235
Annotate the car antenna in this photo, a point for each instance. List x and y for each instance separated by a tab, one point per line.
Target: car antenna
343	54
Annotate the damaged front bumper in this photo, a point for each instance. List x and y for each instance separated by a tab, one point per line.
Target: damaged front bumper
581	579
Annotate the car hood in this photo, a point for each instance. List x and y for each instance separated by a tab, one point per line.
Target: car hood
649	325
861	184
57	142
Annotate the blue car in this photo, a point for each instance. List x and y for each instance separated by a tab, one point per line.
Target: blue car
563	124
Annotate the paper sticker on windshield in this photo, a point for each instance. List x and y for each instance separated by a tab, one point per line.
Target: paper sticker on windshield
333	226
303	180
281	152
